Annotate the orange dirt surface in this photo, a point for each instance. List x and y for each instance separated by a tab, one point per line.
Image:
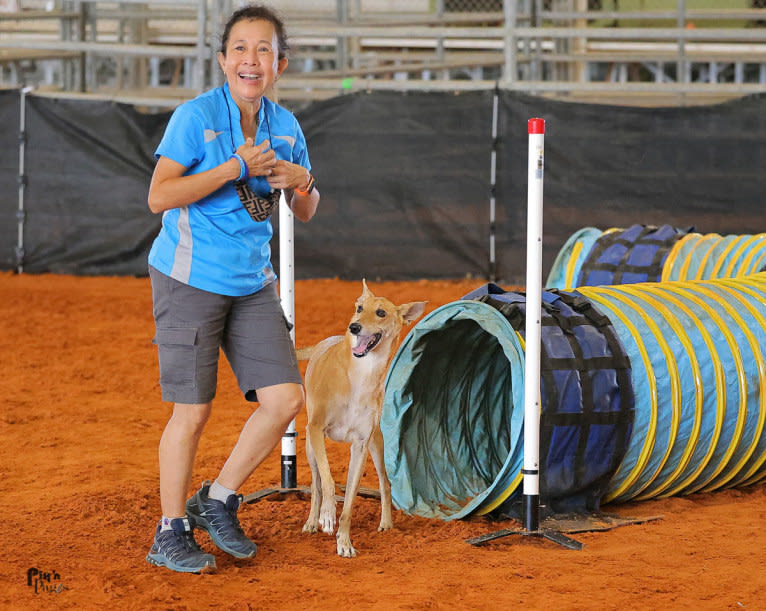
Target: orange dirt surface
81	420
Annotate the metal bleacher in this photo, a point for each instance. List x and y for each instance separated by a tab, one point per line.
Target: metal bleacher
158	54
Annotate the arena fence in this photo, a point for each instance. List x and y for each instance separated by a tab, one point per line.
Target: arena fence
661	52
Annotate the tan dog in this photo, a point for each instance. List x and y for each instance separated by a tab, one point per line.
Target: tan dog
344	397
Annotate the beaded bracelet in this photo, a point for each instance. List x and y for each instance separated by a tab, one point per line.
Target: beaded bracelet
243	169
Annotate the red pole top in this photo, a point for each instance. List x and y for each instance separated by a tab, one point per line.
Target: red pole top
536	126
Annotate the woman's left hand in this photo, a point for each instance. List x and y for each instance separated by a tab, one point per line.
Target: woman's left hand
286	175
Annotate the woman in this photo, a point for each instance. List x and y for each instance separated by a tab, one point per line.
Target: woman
221	164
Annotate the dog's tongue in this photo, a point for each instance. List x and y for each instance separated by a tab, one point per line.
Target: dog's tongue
361	344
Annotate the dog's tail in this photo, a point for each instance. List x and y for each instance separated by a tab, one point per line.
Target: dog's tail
304	354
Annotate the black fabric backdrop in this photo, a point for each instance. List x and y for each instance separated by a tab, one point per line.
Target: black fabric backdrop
404	177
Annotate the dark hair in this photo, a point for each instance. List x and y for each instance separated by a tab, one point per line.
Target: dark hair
251	13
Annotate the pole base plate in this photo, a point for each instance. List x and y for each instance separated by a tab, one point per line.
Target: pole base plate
554	528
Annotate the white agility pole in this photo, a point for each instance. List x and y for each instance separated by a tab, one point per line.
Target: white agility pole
287	298
288	459
533	328
532	350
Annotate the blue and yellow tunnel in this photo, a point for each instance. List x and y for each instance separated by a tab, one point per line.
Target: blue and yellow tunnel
647	253
648	390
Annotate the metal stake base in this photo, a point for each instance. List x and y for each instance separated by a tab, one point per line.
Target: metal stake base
556	525
531	527
259	495
552	535
289	483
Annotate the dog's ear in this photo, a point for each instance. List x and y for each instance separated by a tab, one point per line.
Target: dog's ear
411	311
365	291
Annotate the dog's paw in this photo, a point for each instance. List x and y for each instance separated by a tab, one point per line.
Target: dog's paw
311	526
327	524
345	549
385	525
327	519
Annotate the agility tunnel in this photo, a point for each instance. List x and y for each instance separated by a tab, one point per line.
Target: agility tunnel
645	253
647	390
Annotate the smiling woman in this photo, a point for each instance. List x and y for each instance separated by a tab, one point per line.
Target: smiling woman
224	161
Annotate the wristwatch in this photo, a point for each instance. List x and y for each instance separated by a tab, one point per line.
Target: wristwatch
309	188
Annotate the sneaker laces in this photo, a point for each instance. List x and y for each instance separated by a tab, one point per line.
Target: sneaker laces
189	543
232	505
186	538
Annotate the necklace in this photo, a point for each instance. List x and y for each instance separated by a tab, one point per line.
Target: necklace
257	121
259	208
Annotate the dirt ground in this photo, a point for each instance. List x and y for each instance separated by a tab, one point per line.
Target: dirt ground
80	422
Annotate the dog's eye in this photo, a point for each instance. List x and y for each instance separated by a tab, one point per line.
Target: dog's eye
358	309
381	313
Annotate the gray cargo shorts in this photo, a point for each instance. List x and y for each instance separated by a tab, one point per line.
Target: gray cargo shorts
192	326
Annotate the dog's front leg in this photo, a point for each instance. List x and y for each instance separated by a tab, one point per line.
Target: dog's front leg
376	451
312	524
355	470
327	510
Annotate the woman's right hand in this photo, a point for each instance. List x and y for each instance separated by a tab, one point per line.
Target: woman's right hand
260	159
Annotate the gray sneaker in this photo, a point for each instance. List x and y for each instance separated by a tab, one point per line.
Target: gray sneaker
177	550
221	522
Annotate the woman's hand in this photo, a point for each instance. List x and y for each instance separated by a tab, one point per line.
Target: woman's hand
286	175
291	177
260	159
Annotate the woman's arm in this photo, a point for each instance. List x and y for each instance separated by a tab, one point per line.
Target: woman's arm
171	189
291	176
304	206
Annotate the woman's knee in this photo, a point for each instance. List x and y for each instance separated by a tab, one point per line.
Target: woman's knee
192	418
294	405
285	399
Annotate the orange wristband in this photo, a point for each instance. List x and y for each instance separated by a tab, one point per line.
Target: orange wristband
309	187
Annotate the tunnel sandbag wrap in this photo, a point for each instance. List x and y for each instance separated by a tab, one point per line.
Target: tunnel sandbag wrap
696	350
587	408
586	398
697	375
626	256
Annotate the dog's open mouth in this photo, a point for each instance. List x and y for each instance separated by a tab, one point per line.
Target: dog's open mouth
365	343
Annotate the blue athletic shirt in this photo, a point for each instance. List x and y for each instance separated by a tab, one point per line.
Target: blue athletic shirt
214	244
